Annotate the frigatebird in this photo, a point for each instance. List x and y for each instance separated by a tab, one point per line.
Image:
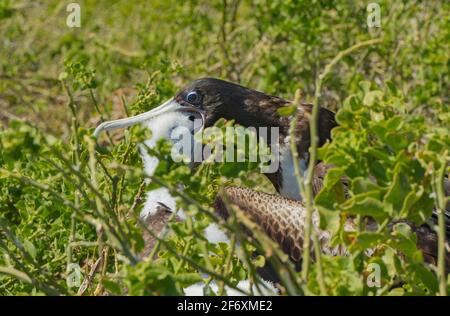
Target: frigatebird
211	99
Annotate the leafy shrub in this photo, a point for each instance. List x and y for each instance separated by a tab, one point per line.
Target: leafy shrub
65	200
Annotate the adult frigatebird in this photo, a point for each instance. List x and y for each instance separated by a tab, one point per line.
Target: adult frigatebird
211	99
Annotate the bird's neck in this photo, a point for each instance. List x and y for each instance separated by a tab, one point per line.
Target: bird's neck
284	179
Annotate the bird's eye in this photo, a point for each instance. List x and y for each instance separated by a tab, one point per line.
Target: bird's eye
193	98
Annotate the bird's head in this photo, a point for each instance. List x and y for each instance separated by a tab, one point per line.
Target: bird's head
210	99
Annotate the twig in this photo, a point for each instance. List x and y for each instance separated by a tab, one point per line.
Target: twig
88	281
76	162
227	266
441	201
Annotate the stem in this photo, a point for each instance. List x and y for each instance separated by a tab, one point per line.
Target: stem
441	201
97	108
318	254
76	162
99	200
253	276
227	263
313	126
185	251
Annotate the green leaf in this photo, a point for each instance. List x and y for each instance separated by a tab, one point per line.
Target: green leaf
15	273
398	190
188	279
328	199
345	117
259	261
287	110
396	141
113	287
392	88
30	248
429	279
363	185
367	206
405	241
367	240
371	97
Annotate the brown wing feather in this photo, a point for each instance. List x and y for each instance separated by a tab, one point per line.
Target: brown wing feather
281	218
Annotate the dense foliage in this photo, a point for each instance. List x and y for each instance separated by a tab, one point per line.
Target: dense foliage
65	199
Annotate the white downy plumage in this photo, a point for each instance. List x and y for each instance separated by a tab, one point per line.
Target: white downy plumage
166	126
197	289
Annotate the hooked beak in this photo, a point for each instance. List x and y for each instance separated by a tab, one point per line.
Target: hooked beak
169	106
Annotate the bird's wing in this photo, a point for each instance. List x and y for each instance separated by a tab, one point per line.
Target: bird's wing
281	218
321	169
